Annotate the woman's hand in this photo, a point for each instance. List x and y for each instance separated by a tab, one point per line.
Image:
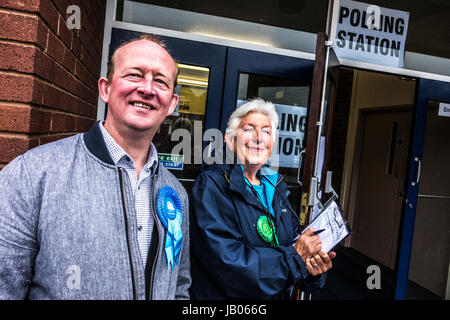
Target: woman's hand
307	244
309	247
320	262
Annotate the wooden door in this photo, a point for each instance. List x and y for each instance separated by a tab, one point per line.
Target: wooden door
381	174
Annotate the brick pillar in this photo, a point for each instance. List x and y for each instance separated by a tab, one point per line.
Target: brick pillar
48	73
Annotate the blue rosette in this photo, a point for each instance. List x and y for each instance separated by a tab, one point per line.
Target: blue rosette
170	211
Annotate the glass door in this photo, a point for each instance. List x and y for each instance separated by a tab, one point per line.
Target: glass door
425	246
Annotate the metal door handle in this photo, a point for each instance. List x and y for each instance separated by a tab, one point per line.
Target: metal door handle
419	167
300	164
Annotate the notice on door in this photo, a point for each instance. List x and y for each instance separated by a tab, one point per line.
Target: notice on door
444	110
371	33
291	132
171	161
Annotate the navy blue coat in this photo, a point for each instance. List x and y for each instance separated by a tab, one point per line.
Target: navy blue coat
230	260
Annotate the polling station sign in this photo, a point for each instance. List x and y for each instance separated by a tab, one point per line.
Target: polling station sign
371	33
291	132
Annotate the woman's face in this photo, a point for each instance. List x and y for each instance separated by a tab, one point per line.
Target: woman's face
253	141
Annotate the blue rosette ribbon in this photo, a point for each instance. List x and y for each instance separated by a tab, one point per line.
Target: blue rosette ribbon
170	211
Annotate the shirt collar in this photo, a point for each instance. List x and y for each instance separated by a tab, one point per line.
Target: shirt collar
119	155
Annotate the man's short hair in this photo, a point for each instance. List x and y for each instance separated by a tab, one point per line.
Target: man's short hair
148	37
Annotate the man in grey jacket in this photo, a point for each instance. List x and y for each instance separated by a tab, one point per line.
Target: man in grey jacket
95	216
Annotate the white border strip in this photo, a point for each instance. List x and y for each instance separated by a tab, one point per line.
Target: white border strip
393	70
110	16
212	40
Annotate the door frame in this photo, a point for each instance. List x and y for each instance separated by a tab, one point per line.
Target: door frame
426	90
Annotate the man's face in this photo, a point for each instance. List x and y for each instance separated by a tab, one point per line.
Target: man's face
140	95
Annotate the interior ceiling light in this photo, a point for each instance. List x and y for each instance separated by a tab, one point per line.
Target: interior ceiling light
187	66
233	39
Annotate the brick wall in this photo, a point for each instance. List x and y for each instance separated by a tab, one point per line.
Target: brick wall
48	73
340	124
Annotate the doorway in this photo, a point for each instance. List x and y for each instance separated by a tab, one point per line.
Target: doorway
369	160
376	158
380	175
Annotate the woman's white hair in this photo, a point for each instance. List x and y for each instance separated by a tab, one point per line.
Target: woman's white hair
256	105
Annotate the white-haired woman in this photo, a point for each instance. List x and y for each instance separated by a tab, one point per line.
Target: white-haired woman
242	226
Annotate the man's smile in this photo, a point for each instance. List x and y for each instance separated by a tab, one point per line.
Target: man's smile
142	105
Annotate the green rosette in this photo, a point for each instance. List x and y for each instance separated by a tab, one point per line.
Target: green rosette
264	230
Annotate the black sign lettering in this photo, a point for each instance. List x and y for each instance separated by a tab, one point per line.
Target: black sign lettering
355	17
288	145
343	13
399	26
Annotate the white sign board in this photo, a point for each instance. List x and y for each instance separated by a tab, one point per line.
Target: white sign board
444	110
291	131
371	33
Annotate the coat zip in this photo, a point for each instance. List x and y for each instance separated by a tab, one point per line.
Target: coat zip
159	238
130	253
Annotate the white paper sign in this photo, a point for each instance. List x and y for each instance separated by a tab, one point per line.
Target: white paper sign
291	131
444	110
371	33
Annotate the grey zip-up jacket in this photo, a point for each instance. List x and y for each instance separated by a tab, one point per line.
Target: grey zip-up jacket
68	228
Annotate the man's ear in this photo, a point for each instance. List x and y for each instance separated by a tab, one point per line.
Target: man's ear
173	104
103	89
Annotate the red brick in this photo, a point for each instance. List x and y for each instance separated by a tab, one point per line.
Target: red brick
44	66
23	5
14	118
84	75
49	13
64	32
23	27
69	60
55	48
15	26
89	63
53	72
57	98
84	124
40	121
63	123
17	57
12	146
23	119
16	87
76	46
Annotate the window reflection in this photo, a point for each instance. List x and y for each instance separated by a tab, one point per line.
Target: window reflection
192	88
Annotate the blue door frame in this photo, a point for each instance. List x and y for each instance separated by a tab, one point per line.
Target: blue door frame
261	63
425	91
